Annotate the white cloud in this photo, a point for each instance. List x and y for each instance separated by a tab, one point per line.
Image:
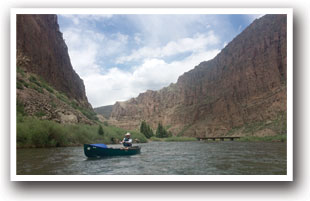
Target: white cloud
83	50
195	44
87	47
120	85
166	47
160	29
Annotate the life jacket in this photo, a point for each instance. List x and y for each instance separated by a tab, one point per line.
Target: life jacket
126	142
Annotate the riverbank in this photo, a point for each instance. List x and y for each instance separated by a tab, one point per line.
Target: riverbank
276	138
35	133
173	139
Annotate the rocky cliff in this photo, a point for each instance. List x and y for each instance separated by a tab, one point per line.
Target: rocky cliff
40	42
241	91
47	85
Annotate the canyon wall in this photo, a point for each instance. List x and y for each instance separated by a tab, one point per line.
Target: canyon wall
244	85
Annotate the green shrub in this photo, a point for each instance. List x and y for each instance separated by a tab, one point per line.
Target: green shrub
63	98
38	89
20	108
45	85
19	85
34	80
32	132
40	114
20	71
100	130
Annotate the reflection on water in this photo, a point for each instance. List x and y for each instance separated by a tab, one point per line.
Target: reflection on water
161	158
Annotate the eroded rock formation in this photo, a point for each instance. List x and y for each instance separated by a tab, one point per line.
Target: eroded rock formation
42	50
47	85
244	84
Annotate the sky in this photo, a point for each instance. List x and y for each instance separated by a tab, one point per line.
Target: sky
120	56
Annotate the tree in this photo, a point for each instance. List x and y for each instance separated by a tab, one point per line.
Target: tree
146	130
149	131
100	130
161	132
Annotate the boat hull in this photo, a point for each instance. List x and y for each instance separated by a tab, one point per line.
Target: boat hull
93	151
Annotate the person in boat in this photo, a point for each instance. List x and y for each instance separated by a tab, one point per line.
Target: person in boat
127	141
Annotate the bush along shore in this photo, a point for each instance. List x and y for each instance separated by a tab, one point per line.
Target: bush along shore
34	133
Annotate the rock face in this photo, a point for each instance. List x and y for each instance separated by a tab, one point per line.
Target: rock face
47	85
41	50
243	85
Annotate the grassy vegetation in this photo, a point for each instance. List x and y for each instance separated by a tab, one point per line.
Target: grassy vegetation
90	114
33	132
278	126
20	84
39	84
20	71
45	85
173	139
277	138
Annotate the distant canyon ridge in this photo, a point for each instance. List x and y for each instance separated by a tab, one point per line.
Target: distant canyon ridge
242	91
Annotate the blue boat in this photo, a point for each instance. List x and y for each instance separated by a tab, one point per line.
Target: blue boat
101	150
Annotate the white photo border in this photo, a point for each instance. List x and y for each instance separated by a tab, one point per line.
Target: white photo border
13	162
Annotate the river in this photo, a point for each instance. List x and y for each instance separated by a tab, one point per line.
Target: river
161	158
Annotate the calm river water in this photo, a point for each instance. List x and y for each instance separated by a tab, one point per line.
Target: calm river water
161	158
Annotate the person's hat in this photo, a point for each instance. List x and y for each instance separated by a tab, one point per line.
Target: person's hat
127	134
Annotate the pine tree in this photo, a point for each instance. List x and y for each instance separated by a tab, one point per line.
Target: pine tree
143	128
146	129
100	130
160	131
149	131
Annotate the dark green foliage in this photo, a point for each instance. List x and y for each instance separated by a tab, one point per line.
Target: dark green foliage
100	130
45	85
19	85
38	89
105	123
63	98
146	130
161	132
20	108
40	114
20	71
34	80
